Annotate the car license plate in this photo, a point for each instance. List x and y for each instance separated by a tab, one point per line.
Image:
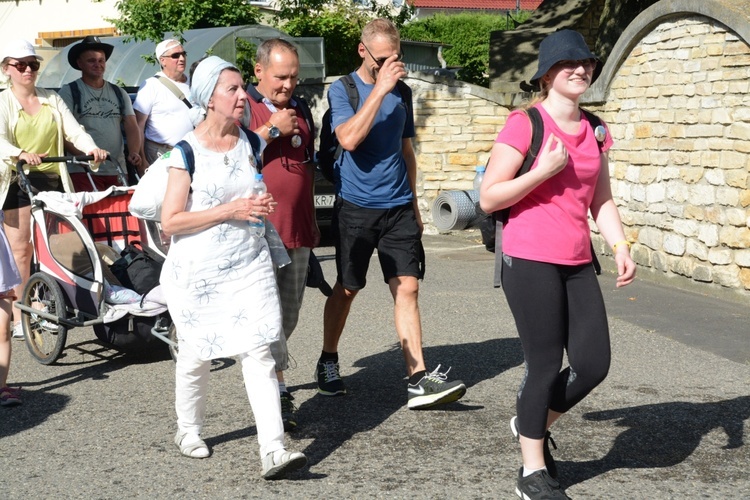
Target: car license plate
324	200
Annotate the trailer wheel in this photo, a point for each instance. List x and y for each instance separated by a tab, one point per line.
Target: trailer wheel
44	338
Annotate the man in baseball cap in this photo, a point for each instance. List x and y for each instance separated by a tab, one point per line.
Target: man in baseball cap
162	106
104	109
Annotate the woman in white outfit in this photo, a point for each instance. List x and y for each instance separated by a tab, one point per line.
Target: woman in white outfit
218	277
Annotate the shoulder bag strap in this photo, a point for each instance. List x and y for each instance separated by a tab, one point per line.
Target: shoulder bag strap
173	88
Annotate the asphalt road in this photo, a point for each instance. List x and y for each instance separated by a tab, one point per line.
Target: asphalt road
670	421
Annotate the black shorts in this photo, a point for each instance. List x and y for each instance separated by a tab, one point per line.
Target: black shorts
40	181
359	231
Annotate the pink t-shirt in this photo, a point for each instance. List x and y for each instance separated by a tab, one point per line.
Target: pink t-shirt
550	224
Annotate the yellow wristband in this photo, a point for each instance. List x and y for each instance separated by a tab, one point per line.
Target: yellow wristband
623	242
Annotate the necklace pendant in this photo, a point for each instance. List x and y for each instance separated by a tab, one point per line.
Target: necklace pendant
226	159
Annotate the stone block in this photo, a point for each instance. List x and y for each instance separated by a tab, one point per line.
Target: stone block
745	278
735	237
655	193
737	179
703	274
463	159
686	227
701	194
709	234
695	248
691	175
674	244
727	196
651	237
728	276
742	258
720	256
660	261
714	176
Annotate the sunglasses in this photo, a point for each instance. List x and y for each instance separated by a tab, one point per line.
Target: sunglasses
177	55
21	66
381	61
570	66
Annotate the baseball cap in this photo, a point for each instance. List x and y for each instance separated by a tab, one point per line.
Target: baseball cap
165	46
18	49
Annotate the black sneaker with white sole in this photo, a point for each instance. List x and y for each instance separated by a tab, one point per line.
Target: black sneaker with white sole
539	486
329	379
433	389
288	412
549	462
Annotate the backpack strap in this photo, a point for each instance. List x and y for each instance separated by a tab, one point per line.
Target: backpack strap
255	142
307	115
118	92
406	96
75	94
353	94
351	91
187	156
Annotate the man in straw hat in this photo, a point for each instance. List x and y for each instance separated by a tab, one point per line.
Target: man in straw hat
104	109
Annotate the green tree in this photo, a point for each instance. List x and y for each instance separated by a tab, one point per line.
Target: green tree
338	22
150	19
469	38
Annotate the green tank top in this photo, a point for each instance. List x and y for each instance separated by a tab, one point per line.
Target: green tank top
38	134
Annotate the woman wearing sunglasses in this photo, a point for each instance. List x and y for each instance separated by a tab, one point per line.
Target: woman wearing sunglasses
34	123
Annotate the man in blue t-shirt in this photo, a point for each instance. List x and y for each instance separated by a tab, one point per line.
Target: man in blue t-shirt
376	208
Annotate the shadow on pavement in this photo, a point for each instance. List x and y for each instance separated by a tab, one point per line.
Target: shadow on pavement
661	435
378	390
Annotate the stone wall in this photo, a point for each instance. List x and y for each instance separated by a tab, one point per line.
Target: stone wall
678	111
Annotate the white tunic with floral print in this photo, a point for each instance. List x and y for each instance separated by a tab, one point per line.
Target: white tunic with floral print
219	283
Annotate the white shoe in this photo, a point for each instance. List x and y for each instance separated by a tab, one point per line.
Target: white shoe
17	331
191	445
278	463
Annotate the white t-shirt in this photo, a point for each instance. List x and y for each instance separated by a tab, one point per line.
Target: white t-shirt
169	119
99	113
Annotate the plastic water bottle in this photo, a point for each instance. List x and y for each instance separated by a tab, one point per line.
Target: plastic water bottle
259	188
478	177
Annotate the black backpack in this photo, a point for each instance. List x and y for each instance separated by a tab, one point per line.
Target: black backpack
330	150
492	227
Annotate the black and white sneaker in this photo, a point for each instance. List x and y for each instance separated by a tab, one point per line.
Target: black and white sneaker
549	462
288	412
539	486
432	390
329	379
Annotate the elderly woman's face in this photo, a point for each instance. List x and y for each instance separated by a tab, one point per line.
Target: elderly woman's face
229	95
22	71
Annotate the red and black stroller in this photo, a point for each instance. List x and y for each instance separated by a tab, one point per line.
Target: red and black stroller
78	240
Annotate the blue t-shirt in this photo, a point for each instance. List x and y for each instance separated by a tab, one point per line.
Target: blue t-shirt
374	175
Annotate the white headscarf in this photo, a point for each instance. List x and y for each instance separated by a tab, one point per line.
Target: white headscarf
205	77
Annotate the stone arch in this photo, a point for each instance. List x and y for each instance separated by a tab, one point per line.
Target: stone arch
731	13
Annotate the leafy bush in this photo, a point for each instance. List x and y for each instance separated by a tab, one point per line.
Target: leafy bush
339	22
469	37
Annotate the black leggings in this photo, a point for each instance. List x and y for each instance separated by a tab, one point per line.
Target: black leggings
557	308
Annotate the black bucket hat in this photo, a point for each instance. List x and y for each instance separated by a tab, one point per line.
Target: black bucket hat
88	43
563	45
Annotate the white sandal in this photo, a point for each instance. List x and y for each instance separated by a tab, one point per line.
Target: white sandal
197	449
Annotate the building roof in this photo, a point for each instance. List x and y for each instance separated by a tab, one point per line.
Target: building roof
476	4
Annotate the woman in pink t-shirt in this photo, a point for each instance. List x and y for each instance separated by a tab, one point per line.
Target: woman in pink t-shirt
549	282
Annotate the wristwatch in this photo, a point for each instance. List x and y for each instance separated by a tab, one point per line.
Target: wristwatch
273	130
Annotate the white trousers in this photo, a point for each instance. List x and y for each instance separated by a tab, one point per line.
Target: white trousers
258	371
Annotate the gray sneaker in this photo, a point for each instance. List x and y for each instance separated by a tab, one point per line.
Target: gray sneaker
539	486
287	461
434	389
